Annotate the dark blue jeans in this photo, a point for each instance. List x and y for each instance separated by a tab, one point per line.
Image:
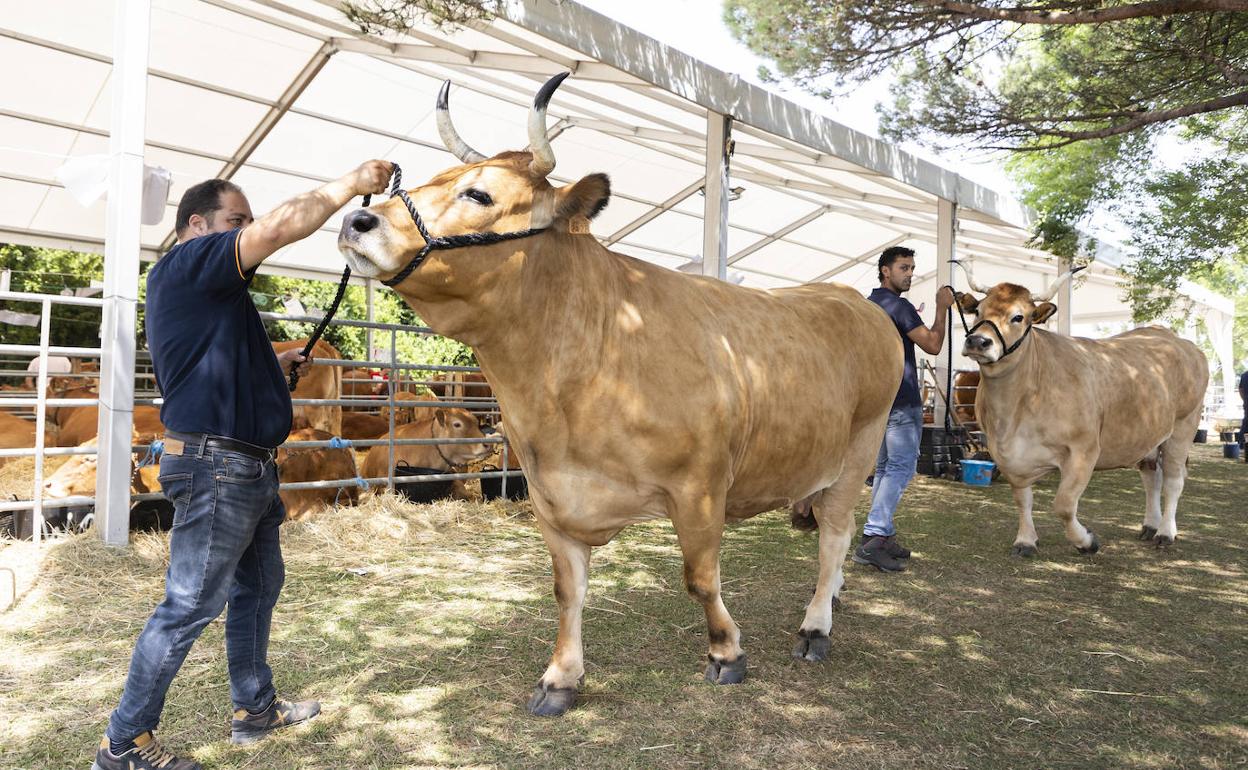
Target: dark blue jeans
224	549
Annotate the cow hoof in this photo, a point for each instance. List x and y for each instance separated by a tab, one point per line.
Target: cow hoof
812	645
836	603
1163	541
725	671
1147	532
1022	550
1092	547
551	701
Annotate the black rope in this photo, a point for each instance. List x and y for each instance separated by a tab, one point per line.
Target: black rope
447	242
949	366
995	330
320	327
431	244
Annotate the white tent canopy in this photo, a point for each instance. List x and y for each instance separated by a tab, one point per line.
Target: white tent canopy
279	95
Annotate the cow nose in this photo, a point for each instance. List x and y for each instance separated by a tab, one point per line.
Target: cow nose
362	221
978	342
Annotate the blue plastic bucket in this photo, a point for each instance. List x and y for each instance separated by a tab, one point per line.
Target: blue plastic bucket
977	473
1230	451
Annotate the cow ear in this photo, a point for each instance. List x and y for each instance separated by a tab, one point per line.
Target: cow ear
1043	312
586	198
967	301
440	414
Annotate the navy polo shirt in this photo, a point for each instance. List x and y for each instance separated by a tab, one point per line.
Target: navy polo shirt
213	361
906	319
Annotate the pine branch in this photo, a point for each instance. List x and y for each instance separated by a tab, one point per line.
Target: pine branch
1156	8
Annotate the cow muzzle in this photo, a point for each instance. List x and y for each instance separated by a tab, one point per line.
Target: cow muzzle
979	348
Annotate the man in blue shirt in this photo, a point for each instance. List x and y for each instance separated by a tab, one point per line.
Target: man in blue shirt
1243	396
899	453
226	410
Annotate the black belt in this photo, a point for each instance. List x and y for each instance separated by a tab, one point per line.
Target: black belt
195	443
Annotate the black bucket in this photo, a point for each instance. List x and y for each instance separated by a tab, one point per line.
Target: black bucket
1202	436
151	516
421	491
492	488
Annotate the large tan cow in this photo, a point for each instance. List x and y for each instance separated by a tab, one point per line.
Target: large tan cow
1078	405
315	464
319	382
724	401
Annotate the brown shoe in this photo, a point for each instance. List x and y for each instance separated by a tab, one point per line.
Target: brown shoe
249	728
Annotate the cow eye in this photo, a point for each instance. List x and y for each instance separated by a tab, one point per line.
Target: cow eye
1018	319
458	425
477	196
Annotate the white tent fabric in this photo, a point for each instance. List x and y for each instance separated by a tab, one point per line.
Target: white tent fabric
281	94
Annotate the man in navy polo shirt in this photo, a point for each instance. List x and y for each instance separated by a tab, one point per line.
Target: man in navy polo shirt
226	409
1243	396
899	453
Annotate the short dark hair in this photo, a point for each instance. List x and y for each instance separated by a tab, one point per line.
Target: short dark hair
203	199
891	255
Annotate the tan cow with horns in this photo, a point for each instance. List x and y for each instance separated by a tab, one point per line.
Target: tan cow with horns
727	401
1049	402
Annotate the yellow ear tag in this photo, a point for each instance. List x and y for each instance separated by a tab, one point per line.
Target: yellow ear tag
578	225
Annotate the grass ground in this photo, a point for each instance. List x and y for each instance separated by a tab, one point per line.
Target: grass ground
424	629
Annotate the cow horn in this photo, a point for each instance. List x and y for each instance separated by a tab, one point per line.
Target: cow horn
543	154
450	137
970	279
1052	290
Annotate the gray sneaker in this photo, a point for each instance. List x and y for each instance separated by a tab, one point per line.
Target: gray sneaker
874	552
147	754
249	728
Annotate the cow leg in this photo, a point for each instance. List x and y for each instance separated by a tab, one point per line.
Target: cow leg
1075	477
556	690
1174	473
834	510
1026	540
699	529
1151	475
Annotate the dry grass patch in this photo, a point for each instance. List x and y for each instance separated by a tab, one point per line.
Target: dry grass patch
423	628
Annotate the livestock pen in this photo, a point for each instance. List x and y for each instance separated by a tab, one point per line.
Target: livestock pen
35	405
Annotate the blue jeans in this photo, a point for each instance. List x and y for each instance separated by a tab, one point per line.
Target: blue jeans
894	467
224	548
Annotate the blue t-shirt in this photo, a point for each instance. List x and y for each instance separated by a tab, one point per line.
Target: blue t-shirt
212	358
906	319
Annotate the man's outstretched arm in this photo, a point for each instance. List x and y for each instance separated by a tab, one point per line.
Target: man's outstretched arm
300	216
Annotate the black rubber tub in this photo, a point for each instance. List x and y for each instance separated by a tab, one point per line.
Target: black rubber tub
421	491
492	488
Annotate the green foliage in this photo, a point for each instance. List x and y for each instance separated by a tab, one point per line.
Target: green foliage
1083	104
377	17
986	73
51	271
268	292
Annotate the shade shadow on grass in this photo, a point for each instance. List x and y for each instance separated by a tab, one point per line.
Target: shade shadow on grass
424	634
